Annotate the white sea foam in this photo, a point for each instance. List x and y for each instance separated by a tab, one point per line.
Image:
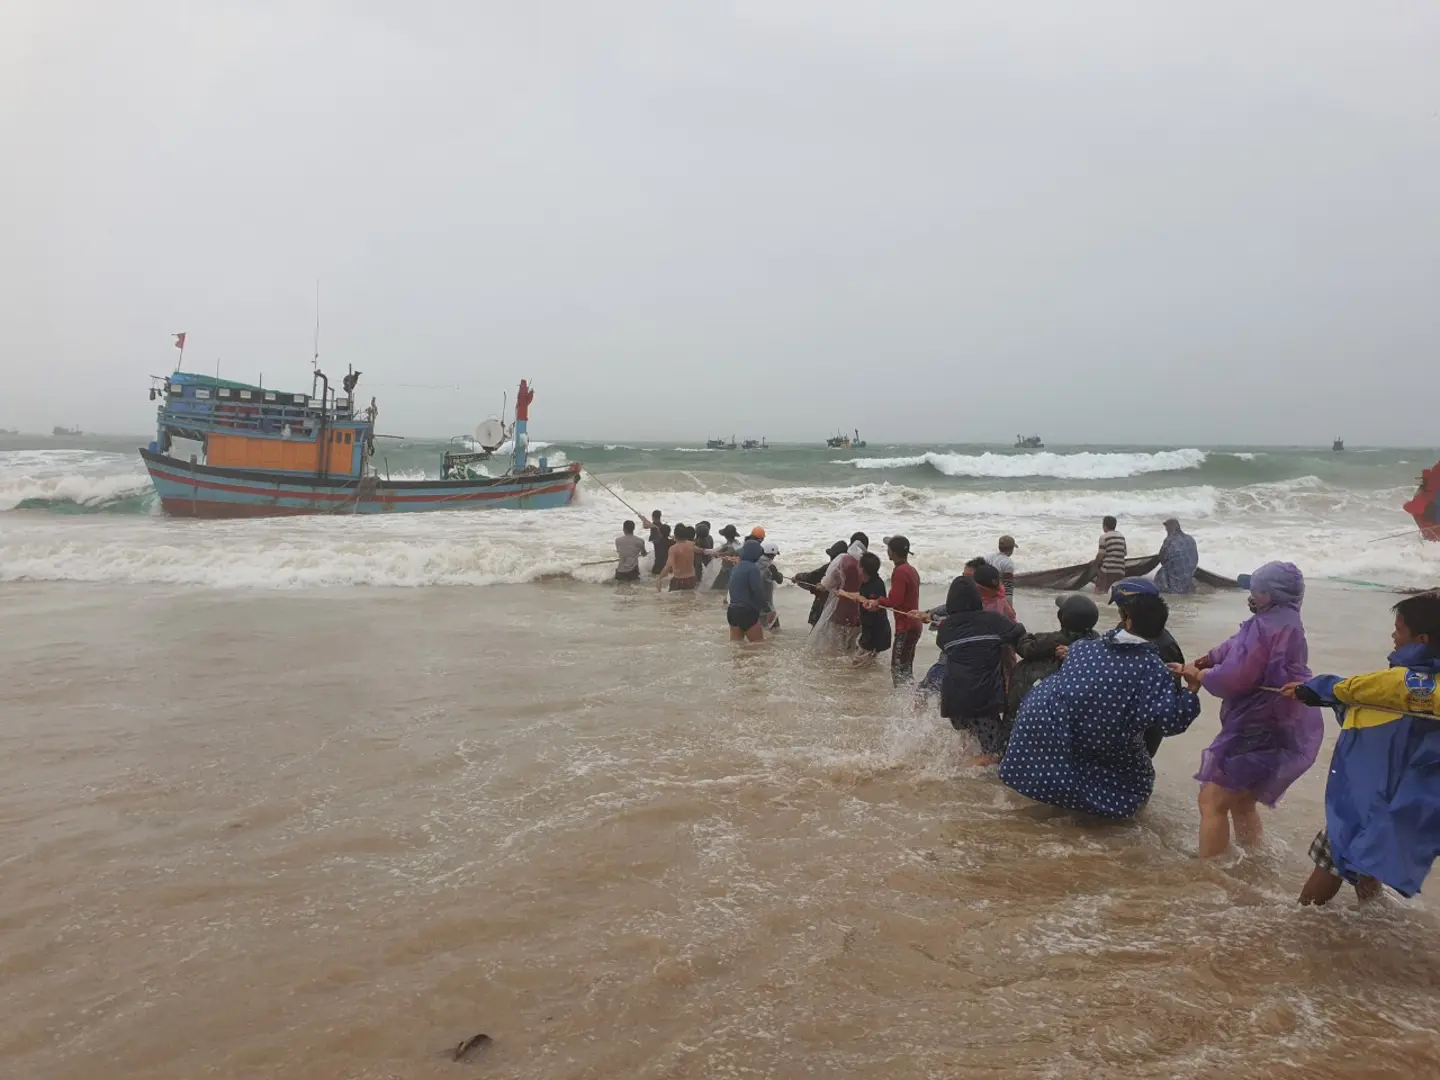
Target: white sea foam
1323	528
1081	466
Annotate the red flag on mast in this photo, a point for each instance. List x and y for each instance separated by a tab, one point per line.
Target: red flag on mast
179	341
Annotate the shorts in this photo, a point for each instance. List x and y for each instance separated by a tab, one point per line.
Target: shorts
682	584
1320	853
628	575
1106	578
742	617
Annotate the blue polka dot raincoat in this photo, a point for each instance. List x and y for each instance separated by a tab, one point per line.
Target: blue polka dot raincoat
1078	741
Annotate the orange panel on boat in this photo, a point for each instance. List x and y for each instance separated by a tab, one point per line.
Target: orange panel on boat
245	452
340	452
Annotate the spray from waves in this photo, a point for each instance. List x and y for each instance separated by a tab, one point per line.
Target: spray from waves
1081	466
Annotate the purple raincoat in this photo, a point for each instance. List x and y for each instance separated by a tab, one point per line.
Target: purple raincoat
1266	740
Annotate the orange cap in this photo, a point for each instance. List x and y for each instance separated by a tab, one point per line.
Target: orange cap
758	532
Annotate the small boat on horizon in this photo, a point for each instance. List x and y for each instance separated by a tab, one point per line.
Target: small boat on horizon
751	444
1029	442
59	432
845	442
268	453
1338	446
720	444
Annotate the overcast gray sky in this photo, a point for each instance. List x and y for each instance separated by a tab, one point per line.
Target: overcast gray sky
1172	222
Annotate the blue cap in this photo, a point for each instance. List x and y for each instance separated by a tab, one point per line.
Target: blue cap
1132	586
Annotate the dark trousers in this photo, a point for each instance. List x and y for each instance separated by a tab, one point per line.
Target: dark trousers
902	656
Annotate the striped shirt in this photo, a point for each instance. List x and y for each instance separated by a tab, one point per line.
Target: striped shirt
1112	553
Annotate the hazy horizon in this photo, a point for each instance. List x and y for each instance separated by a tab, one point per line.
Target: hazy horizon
1180	226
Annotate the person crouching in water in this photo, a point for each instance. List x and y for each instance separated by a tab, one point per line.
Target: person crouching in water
972	694
1079	739
1266	740
1040	655
1121	593
747	595
874	622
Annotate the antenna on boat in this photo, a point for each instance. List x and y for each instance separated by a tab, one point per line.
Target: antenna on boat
315	360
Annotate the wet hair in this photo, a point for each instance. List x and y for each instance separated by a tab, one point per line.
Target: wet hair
838	548
987	577
684	532
654	515
629	526
860	537
1109	522
1147	615
1421	614
665	531
870	563
976	563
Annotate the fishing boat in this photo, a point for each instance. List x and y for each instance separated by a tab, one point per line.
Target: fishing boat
720	444
1028	442
65	432
845	442
751	444
1338	446
268	453
1422	506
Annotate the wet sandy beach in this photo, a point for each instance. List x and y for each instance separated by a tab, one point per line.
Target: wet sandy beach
332	833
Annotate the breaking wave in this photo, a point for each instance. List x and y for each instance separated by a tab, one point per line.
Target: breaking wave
1080	466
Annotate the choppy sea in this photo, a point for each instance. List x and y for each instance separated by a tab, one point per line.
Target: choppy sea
82	509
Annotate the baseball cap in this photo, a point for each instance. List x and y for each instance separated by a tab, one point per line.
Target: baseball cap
898	544
758	532
1132	586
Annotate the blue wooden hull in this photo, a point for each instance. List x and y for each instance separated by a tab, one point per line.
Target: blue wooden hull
205	491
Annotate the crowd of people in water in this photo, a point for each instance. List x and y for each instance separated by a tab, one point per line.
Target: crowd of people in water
1073	716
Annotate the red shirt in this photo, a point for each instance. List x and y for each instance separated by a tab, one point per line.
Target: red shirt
904	596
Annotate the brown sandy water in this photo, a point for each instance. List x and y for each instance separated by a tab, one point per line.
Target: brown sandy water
332	833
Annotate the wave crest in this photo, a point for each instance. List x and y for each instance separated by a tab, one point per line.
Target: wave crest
1082	466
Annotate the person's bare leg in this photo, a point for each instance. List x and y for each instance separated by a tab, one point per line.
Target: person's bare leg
1246	816
980	761
1368	889
755	633
736	634
1321	887
1214	820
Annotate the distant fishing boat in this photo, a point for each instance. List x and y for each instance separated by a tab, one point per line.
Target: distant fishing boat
1338	446
845	442
720	444
65	432
9	431
268	453
1028	442
751	444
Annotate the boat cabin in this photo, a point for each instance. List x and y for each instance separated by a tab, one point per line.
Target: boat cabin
249	427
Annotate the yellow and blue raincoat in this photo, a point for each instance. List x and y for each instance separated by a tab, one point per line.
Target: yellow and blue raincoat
1382	801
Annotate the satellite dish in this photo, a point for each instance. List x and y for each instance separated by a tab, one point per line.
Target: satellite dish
490	434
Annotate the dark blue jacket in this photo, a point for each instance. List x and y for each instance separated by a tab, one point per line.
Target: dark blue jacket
747	584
